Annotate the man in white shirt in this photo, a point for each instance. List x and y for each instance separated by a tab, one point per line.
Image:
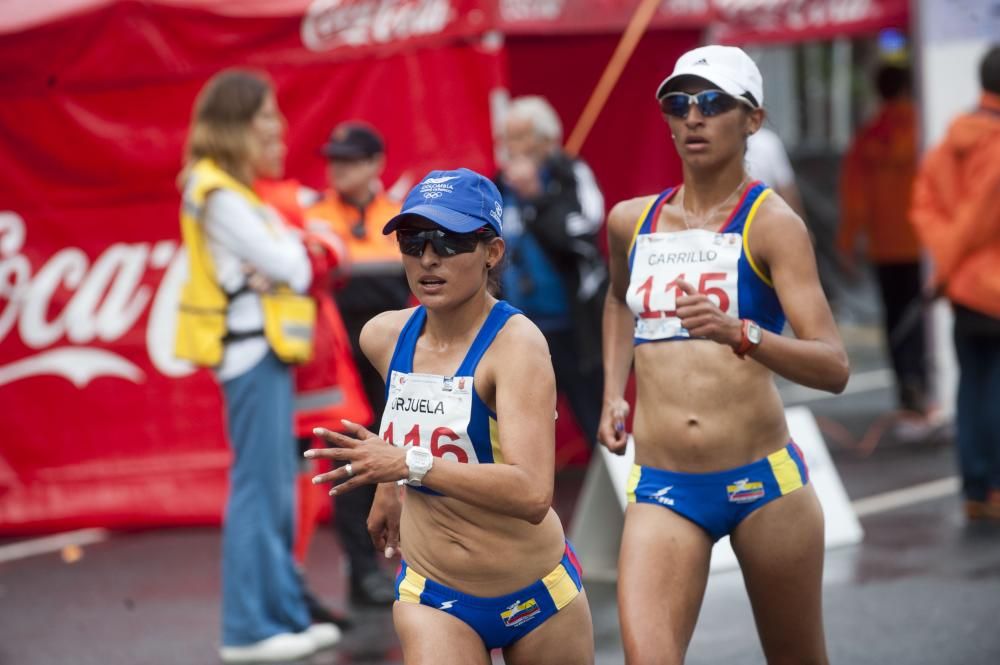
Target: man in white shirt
767	160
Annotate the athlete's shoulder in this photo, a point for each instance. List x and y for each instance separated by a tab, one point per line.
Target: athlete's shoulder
518	353
378	337
776	214
633	207
390	322
625	214
777	229
520	335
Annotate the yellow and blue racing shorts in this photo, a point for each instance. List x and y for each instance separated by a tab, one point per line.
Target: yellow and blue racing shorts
502	620
719	501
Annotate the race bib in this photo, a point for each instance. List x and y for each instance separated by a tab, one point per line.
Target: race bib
432	412
706	260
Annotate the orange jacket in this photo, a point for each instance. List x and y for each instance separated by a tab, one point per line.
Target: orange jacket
876	181
370	247
956	208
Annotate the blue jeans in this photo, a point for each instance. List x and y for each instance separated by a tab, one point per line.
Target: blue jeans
261	590
978	414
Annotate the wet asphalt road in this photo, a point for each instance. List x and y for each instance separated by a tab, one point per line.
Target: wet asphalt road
922	589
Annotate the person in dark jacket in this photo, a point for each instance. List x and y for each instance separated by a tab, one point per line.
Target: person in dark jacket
553	211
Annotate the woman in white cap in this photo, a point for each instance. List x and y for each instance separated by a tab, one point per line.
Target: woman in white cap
470	400
703	277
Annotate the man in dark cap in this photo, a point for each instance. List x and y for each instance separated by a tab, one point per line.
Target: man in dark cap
356	208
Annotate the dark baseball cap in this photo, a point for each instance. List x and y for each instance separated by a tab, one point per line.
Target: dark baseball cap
460	201
353	140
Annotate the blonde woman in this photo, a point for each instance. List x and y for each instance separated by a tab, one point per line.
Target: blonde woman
237	249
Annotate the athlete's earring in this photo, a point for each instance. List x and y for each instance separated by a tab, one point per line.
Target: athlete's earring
489	266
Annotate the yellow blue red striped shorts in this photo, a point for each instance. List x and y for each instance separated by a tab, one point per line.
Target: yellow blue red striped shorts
719	501
502	620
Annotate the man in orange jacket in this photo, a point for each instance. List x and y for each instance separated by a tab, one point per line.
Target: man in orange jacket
356	208
875	187
956	210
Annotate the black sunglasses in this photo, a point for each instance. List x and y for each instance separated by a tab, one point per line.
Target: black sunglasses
710	103
445	243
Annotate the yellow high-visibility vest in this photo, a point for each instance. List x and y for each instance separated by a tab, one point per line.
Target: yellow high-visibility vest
289	318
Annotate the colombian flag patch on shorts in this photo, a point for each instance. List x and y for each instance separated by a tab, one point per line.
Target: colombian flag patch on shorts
745	491
518	613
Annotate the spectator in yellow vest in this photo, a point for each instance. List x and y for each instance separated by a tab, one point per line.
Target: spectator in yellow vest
238	250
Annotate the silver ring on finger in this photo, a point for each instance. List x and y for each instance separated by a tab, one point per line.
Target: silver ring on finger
349	469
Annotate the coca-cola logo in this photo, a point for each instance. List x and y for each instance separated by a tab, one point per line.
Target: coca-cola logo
108	299
797	14
530	10
331	24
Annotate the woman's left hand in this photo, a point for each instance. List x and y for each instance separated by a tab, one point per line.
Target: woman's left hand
702	318
370	460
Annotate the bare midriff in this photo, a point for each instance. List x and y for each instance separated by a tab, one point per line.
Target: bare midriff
477	551
700	408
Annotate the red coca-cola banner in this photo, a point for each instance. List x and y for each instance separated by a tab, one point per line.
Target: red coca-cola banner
160	39
99	424
781	21
731	21
547	17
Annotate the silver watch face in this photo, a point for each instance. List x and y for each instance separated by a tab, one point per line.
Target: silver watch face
754	333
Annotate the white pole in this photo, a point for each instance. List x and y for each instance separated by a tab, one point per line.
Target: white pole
818	130
840	97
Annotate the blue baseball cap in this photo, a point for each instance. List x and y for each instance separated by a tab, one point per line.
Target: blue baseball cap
460	201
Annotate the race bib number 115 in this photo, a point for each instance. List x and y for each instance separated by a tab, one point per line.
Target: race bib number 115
708	261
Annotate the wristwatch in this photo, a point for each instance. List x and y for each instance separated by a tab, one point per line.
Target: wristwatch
419	461
751	335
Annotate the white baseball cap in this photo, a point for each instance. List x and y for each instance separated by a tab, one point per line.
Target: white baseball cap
727	67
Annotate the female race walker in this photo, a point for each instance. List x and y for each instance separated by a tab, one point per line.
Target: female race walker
469	411
703	276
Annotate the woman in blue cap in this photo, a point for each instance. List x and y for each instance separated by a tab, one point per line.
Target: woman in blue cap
469	421
703	277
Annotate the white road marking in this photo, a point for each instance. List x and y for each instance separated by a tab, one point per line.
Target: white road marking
25	548
907	496
870	505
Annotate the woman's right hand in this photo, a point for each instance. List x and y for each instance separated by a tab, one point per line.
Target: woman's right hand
383	519
611	432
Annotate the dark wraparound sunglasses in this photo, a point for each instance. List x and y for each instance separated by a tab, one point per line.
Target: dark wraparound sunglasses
710	103
445	243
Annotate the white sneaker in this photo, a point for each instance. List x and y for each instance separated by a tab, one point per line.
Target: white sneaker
323	635
283	646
